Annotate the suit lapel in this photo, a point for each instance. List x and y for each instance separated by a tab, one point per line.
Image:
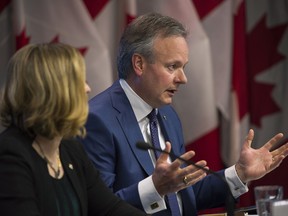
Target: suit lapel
134	135
130	127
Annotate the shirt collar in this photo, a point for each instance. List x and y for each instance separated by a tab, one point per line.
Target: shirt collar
140	107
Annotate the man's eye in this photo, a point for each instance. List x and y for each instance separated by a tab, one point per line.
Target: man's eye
171	67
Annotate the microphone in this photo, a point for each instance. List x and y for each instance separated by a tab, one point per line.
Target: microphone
230	204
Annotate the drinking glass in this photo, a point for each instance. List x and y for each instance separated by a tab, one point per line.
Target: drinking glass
266	194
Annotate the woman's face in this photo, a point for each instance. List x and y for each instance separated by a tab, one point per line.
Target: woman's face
87	88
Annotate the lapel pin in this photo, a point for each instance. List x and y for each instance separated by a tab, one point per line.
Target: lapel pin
164	117
70	166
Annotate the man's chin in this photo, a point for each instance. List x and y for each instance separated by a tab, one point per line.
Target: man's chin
167	102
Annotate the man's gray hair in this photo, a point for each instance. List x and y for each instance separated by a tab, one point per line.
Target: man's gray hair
139	36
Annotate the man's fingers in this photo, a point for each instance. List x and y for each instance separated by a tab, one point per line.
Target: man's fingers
249	138
194	177
185	157
281	151
267	145
273	141
192	169
164	156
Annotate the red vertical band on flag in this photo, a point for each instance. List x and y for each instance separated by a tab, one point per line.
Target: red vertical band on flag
207	148
239	67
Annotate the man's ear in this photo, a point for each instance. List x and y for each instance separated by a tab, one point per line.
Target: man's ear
137	62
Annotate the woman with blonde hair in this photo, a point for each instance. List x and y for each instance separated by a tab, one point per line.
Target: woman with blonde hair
43	170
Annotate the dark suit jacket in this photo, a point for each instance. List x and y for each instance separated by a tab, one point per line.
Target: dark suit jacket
112	134
26	187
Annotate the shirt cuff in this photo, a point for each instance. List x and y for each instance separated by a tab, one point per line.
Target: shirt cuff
236	185
151	201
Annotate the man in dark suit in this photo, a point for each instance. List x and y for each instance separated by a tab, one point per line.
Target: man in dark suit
152	55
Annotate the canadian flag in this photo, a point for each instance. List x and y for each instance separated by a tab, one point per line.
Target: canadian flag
67	21
249	48
267	67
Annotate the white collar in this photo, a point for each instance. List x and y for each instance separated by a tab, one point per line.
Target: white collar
140	107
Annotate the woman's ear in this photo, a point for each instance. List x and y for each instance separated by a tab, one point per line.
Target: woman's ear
137	62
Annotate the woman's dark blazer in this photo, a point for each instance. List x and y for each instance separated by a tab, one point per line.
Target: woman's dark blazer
26	187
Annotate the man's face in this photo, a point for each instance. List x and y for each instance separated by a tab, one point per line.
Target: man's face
160	80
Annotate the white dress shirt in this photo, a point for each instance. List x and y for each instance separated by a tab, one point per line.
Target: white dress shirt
147	191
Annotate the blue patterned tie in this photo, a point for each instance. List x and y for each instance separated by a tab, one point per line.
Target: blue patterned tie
172	199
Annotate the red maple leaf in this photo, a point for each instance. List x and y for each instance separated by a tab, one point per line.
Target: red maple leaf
55	39
94	7
82	50
4	4
129	18
22	39
262	54
205	7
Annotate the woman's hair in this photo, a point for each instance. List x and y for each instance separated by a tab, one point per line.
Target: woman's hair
139	36
44	93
